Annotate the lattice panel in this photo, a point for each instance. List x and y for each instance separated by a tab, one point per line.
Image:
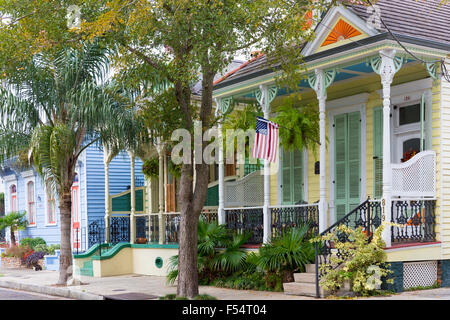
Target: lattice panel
416	177
421	274
248	191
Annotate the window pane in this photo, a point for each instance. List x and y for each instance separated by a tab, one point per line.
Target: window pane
410	114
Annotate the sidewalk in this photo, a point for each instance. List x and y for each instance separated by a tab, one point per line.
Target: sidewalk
133	285
140	287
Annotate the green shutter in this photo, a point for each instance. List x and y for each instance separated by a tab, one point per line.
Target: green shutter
354	159
378	152
292	176
347	152
286	177
297	174
340	156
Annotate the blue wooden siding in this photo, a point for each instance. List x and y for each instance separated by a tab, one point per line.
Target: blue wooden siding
91	189
119	179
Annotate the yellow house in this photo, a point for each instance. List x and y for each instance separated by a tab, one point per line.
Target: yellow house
384	97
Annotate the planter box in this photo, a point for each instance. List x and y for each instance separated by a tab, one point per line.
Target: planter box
12	262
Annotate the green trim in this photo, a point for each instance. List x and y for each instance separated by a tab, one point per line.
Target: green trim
118	247
159	262
90	252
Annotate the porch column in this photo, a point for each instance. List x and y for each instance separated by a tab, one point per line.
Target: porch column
107	157
265	95
320	82
161	194
133	199
387	66
221	167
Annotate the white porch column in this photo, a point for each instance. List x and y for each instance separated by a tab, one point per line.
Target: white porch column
320	82
162	237
387	70
221	167
107	157
265	97
133	198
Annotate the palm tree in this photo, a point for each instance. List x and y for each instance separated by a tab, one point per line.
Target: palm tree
14	221
52	110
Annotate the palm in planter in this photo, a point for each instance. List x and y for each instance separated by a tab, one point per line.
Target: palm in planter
14	221
287	253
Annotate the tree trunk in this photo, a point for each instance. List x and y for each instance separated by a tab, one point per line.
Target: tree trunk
13	236
65	258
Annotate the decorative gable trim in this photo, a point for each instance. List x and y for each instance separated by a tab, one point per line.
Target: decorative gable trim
341	31
330	20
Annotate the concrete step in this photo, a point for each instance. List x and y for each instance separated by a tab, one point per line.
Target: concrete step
305	277
301	289
310	268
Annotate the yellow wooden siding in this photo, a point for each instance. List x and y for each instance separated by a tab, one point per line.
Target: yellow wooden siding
444	203
436	146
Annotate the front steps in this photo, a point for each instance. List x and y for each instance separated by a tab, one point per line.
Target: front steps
305	283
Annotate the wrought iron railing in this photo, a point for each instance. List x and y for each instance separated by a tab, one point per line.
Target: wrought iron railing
142	228
418	220
172	227
243	220
291	216
209	214
119	229
367	215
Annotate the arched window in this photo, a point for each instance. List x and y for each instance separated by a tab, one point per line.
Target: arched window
13	195
51	203
31	204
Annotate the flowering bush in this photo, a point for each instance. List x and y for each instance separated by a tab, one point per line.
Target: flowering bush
361	262
34	258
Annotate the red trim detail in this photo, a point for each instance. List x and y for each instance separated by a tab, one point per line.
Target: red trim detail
238	68
251	246
415	244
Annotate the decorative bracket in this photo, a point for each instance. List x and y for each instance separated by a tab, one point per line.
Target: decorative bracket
225	105
261	93
432	68
320	80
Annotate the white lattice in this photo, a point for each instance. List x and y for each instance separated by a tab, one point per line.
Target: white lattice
416	177
419	274
248	191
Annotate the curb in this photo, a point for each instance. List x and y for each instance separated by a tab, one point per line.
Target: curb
52	291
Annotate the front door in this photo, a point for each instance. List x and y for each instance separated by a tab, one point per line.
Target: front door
347	146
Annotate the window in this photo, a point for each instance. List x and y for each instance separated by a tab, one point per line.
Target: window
13	194
31	204
51	204
409	114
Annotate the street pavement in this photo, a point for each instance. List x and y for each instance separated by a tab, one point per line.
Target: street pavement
11	294
141	287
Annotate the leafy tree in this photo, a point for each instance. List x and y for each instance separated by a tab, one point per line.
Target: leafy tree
14	221
184	42
52	110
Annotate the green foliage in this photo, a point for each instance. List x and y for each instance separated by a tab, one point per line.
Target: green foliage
33	243
17	251
288	253
219	252
150	167
361	261
14	220
50	250
299	126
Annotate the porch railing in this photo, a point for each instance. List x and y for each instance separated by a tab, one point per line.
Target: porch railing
290	216
243	220
418	220
415	177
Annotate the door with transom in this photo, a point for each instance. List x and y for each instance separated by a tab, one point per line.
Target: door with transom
347	164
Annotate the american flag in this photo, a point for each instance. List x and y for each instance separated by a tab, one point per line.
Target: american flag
266	140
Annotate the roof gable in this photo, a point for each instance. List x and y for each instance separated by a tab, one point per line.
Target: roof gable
339	26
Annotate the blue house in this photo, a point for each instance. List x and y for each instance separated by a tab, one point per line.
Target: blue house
26	191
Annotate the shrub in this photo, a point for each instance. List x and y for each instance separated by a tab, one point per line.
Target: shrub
287	254
363	262
34	258
17	252
32	242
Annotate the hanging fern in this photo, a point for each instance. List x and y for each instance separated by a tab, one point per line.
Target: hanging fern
150	168
299	126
